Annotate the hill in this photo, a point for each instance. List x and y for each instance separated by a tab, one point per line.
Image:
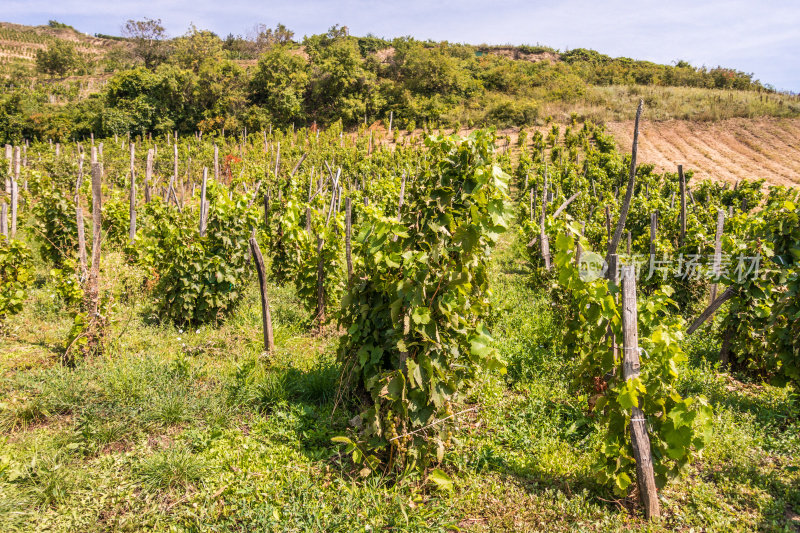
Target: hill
150	84
729	150
19	44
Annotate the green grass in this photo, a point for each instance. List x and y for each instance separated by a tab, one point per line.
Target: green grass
198	430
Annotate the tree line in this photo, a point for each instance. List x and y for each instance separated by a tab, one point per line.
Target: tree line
202	82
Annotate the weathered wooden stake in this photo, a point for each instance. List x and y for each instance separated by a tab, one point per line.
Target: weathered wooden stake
266	317
132	210
148	175
3	219
9	151
566	203
93	284
578	247
683	204
266	209
533	199
14	198
711	309
640	441
626	204
653	232
203	204
216	163
82	261
717	253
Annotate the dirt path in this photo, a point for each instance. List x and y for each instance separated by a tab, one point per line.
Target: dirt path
729	150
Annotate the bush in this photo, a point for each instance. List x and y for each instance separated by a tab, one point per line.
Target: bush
60	58
512	113
56	226
416	339
200	279
16	273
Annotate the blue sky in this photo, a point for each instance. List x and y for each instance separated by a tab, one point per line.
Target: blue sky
759	37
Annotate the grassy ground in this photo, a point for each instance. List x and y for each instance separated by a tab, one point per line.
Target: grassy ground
196	430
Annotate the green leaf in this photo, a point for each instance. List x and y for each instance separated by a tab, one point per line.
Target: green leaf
421	315
441	480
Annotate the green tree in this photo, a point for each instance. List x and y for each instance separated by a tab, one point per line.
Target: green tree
429	71
196	48
341	87
149	40
59	58
279	84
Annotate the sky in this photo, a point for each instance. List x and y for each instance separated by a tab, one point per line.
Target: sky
761	37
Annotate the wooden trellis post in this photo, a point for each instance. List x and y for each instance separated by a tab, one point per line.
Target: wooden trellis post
216	163
266	317
93	284
148	175
683	203
640	441
15	193
203	203
3	218
653	231
132	209
82	261
623	214
717	253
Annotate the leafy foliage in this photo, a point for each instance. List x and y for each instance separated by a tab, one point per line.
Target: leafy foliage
200	279
678	427
16	276
56	226
415	313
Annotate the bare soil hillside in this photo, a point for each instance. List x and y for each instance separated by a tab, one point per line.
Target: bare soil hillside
727	150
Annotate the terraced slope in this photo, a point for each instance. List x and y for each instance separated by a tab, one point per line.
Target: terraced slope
19	44
728	150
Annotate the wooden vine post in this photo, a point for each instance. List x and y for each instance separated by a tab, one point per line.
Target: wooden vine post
95	323
4	219
203	203
8	155
174	179
14	193
266	317
640	441
82	261
216	163
148	175
623	214
653	232
132	210
682	179
533	200
715	269
92	286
